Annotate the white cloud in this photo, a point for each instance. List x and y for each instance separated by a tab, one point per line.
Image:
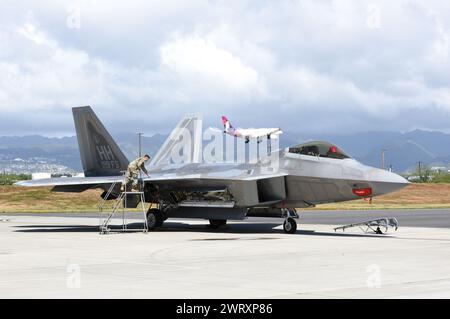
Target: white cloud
273	63
197	57
38	37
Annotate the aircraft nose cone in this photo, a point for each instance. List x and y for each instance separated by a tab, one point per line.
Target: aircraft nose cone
385	182
392	177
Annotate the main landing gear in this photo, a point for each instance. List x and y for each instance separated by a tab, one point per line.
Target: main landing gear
155	218
217	223
290	225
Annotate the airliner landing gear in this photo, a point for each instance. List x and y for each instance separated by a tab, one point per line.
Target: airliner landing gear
290	225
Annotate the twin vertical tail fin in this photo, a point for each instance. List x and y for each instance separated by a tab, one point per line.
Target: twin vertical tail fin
100	155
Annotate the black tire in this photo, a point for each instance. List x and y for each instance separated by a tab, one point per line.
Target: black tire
290	225
154	218
216	223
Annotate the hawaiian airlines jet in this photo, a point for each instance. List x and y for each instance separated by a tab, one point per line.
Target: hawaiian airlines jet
249	133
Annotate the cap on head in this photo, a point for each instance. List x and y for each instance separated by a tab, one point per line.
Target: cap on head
146	155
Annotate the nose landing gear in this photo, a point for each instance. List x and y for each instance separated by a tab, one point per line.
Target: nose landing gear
290	225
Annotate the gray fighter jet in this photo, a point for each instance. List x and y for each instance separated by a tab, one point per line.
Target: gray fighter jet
274	186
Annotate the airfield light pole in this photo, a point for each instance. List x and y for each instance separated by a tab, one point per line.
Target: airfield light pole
140	144
140	150
382	158
420	170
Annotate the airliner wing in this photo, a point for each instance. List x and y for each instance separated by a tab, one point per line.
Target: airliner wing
260	132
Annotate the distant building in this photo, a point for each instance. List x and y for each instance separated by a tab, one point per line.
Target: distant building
40	175
413	178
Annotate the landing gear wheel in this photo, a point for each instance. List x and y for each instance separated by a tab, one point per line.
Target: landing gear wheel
216	223
154	218
290	225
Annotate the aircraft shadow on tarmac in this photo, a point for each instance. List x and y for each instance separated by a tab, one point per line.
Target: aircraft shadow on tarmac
235	228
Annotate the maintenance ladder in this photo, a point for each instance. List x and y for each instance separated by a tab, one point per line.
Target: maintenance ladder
120	205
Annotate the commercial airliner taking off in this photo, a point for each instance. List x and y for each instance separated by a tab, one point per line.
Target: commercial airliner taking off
304	175
249	133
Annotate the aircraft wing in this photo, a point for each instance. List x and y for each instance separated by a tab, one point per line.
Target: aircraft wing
72	184
246	187
70	181
79	184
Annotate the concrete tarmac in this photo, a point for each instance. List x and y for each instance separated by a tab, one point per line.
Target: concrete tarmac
406	217
65	257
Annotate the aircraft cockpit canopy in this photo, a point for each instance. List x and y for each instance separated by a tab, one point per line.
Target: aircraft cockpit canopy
319	148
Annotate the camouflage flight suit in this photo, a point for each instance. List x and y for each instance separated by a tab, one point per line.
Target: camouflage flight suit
132	173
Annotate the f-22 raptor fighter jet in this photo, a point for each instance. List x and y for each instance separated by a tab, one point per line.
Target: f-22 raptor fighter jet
304	175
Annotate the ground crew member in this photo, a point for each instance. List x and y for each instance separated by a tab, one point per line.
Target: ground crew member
133	172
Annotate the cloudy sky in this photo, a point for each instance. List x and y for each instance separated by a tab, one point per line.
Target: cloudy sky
318	66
